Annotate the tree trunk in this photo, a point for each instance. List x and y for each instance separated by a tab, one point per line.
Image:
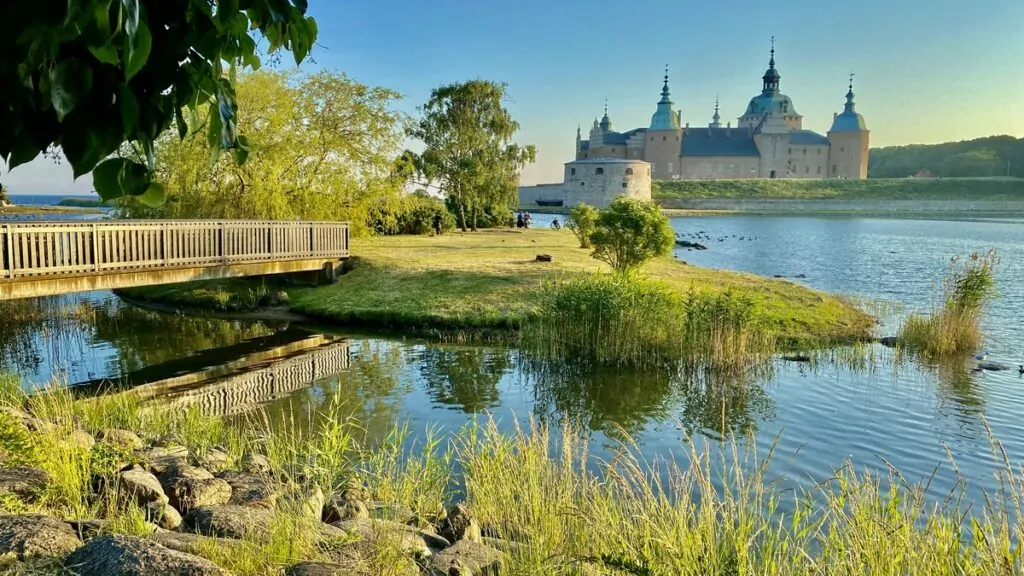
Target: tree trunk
473	223
462	215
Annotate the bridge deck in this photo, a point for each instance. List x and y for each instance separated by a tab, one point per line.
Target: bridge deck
44	258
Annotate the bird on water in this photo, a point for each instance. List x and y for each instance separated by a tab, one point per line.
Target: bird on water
981	356
1020	369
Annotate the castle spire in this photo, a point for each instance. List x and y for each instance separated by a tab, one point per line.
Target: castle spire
849	96
606	122
771	76
665	118
716	119
664	88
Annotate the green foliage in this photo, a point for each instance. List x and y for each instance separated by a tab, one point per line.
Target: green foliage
18	447
629	233
321	147
469	154
615	319
91	75
411	214
81	203
582	221
990	156
953	327
665	191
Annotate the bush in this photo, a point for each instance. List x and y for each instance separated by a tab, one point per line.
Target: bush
413	214
953	327
582	221
629	233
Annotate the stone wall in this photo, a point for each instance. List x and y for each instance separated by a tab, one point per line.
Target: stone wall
824	206
528	195
595	183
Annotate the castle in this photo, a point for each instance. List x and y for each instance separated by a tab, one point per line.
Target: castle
768	141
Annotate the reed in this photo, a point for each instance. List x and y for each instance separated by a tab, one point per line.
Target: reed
954	324
616	319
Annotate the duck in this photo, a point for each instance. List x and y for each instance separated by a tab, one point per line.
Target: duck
1020	369
981	356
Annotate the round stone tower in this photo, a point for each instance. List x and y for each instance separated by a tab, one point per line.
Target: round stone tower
597	181
848	142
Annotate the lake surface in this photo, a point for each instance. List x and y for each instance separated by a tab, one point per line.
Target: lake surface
817	417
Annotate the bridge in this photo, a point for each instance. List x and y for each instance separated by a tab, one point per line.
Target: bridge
49	258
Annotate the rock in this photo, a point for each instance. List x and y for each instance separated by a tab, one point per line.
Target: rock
321	569
389	511
459	525
342	510
688	244
29	536
355	491
190	543
189	487
216	459
141	485
250	490
465	558
889	341
163	515
256	464
408	539
796	358
309	502
992	366
353	564
130	556
506	546
80	439
544	258
159	458
25	482
123	440
801	276
90	528
230	521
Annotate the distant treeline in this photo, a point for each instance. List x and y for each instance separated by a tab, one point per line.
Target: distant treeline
81	203
982	157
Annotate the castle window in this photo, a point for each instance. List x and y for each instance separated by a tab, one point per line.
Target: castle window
819	151
629	171
819	170
664	138
833	169
572	171
623	184
790	151
582	183
807	169
805	151
599	171
652	138
841	149
613	149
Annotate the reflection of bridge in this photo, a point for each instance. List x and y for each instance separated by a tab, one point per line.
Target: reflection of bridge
46	258
246	383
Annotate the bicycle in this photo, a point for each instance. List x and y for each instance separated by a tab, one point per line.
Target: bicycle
555	225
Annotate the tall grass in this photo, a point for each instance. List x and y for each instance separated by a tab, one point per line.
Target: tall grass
614	319
954	324
559	509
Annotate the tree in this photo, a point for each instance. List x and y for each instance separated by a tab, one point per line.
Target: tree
321	147
629	233
5	198
582	221
85	76
468	153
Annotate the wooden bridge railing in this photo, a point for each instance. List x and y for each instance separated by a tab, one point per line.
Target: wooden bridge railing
33	249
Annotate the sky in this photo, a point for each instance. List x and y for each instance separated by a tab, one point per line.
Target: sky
926	72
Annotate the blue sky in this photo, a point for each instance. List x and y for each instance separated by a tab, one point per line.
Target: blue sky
926	72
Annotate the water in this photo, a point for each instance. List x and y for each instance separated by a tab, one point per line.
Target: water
817	417
47	199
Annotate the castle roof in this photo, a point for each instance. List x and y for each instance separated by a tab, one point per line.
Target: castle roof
807	138
849	120
718	142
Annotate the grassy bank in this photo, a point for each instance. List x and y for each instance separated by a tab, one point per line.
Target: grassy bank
870	189
531	508
491	280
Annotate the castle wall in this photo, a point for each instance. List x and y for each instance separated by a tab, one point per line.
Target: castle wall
598	183
714	167
808	161
661	149
848	155
528	195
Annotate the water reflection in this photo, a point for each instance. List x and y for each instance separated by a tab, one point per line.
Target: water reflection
464	378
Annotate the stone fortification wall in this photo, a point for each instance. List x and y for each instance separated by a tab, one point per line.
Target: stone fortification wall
797	206
528	195
594	182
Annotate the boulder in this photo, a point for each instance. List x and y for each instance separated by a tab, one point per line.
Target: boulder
355	491
254	463
406	538
90	528
251	490
80	439
459	525
130	556
889	341
159	458
309	502
342	510
25	482
230	521
163	515
189	487
191	543
141	485
30	536
465	558
356	567
216	459
122	440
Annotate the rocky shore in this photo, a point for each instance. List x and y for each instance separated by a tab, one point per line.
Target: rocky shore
195	508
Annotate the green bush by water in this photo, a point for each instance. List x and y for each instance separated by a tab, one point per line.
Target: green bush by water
954	324
629	232
615	319
582	221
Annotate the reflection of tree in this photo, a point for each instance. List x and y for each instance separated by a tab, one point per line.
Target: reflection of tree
464	376
144	337
32	328
724	404
606	399
600	399
958	391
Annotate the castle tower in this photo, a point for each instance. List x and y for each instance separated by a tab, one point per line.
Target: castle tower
716	120
848	142
663	140
606	122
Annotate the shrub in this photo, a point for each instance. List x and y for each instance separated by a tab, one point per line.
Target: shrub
582	221
629	233
953	327
413	214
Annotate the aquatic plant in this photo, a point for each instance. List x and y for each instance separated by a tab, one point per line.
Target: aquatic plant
954	324
612	319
